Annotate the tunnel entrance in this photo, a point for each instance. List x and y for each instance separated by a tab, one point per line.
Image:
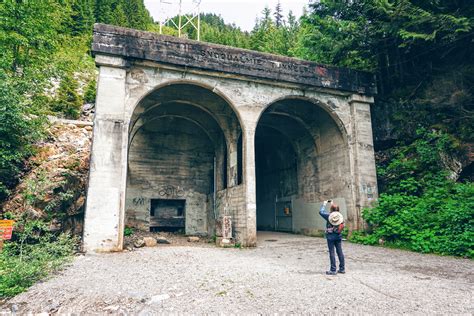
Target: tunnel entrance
299	161
276	167
180	139
174	118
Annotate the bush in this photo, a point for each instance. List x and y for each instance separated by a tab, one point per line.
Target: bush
18	132
32	257
68	101
128	231
422	210
90	91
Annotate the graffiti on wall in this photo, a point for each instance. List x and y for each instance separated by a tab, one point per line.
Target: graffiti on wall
170	191
138	201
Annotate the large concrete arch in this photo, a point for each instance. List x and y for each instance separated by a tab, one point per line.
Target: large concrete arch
196	192
309	127
137	68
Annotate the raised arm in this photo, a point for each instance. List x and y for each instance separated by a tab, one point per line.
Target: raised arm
323	212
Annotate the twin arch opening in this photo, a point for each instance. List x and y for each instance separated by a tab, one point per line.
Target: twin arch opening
186	162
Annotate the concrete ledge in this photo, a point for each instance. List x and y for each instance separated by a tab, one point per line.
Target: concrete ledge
78	123
133	44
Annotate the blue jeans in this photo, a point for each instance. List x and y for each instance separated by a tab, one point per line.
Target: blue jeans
338	245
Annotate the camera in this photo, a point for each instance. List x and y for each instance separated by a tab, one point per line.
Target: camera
329	201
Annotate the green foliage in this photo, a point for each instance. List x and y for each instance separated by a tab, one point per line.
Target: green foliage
28	32
128	231
127	13
275	36
421	209
402	40
68	101
90	91
81	17
18	132
32	258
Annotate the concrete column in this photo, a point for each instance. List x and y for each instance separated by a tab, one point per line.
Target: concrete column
232	162
248	148
362	152
104	217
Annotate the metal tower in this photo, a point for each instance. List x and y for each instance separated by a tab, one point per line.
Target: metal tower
175	8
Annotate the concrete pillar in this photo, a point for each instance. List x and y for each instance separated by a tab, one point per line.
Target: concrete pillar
104	217
362	152
232	162
248	148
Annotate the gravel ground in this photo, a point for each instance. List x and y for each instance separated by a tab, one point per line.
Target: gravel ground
285	274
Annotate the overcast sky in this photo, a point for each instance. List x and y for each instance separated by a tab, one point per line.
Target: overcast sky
240	12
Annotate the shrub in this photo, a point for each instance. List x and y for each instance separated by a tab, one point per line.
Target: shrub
422	209
90	92
32	258
18	132
128	231
68	101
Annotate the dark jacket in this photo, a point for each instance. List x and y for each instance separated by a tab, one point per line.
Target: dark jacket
325	215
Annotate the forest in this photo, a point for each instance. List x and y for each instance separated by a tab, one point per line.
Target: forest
422	53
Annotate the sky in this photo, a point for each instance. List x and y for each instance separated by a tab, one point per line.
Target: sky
241	12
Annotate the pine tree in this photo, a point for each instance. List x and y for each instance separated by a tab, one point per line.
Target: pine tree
119	16
104	11
278	15
82	16
137	15
68	101
28	33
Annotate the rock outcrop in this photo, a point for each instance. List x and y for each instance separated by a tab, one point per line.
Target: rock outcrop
54	188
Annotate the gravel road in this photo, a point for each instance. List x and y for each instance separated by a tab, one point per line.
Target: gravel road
285	274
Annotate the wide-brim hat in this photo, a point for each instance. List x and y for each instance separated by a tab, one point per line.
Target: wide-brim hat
336	218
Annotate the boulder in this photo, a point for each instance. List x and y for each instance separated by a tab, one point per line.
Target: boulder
162	240
150	241
193	239
139	243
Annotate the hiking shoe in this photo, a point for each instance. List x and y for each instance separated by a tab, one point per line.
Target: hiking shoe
341	271
331	272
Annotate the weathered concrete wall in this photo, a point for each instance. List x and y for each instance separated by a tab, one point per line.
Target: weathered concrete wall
232	202
103	228
306	218
134	92
362	145
171	153
329	175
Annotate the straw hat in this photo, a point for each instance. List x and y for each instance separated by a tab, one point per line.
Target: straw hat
335	218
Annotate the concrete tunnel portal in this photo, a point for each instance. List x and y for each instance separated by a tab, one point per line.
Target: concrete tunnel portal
181	136
300	156
187	133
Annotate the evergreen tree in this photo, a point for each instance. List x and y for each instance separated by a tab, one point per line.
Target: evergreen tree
137	15
104	11
82	16
18	132
68	101
28	33
119	16
278	15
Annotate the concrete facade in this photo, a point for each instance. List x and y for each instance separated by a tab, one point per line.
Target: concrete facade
222	131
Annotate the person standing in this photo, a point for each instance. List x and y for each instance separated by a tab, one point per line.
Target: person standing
334	226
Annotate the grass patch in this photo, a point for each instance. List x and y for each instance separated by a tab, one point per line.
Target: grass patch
22	265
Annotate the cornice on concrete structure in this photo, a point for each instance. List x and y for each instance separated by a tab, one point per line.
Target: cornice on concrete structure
133	44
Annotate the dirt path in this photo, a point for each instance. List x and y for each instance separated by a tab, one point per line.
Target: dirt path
285	274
